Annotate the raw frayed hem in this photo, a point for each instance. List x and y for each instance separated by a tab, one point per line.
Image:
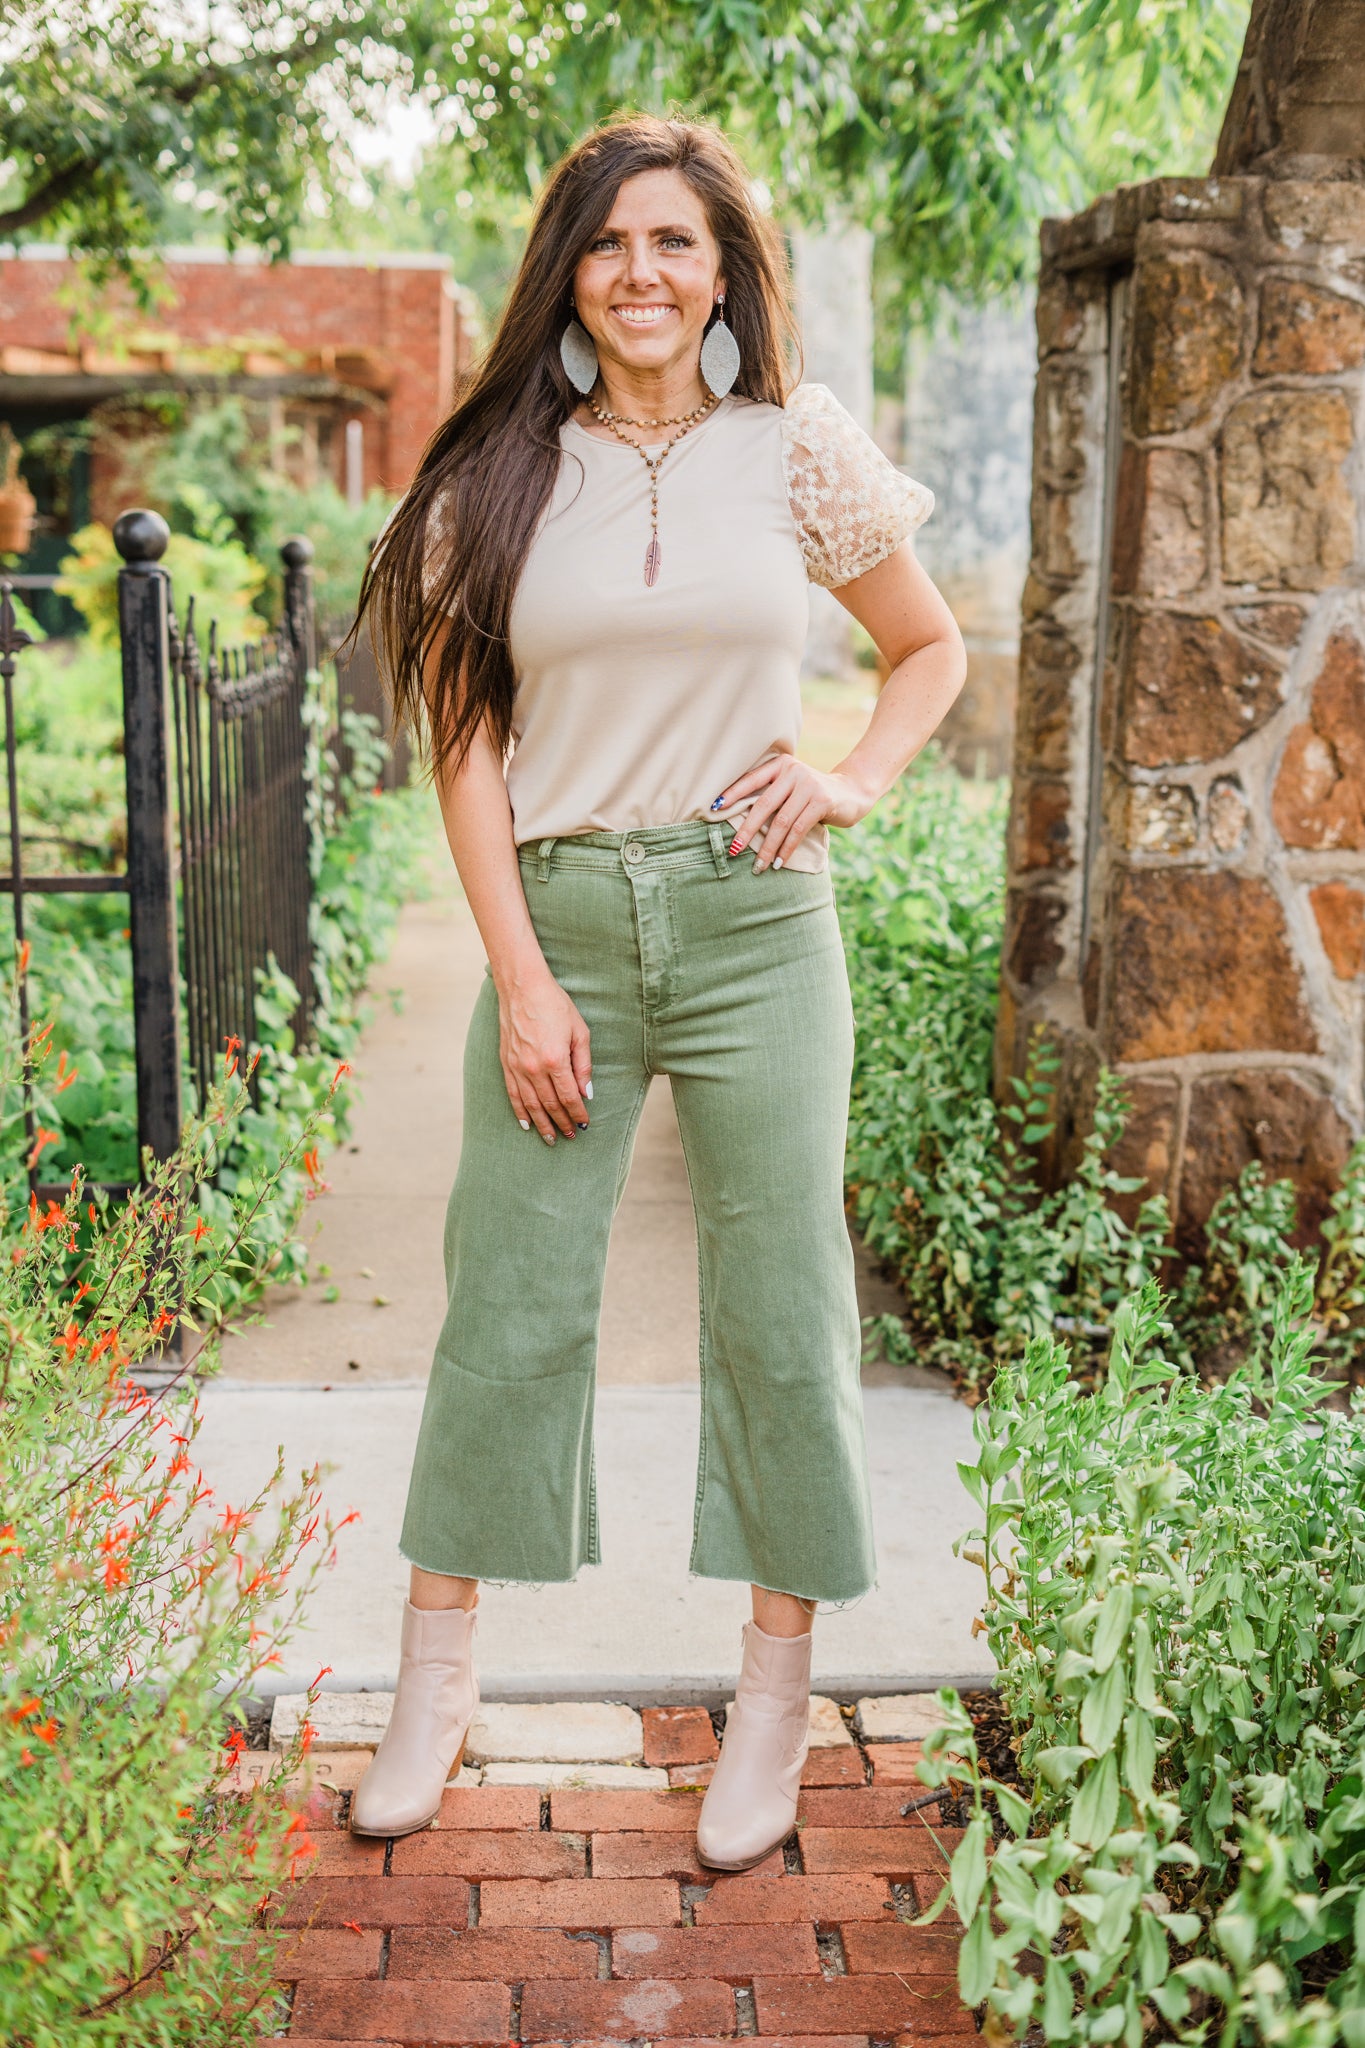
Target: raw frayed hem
483	1579
822	1605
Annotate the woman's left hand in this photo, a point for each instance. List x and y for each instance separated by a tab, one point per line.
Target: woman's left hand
791	797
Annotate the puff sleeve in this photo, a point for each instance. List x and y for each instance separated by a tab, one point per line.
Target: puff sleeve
850	505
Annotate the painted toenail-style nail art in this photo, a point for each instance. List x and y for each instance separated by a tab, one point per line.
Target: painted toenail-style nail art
525	1122
718	803
582	1127
587	1092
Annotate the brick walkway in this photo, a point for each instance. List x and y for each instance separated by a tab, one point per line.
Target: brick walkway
582	1916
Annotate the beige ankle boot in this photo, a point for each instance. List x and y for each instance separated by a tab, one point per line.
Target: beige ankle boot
750	1803
438	1692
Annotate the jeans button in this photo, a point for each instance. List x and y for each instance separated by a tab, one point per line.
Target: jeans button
634	852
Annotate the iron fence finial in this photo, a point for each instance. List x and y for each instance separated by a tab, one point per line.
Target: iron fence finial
141	537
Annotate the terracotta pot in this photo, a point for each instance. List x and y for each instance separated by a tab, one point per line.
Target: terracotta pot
17	507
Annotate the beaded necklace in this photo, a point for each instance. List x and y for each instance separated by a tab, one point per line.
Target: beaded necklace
653	463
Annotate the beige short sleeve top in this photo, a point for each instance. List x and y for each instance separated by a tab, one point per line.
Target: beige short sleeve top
635	705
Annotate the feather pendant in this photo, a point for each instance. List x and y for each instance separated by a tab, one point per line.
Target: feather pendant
653	557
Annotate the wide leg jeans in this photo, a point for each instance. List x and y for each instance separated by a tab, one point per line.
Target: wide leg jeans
683	962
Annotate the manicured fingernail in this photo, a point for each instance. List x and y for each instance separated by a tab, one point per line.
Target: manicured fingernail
550	1139
778	862
582	1127
734	846
525	1122
587	1091
718	804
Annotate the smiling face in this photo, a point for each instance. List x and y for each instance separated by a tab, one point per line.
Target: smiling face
645	288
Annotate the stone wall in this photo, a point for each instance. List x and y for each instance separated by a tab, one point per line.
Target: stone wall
1187	838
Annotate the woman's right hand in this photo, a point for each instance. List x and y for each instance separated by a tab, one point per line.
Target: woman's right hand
545	1054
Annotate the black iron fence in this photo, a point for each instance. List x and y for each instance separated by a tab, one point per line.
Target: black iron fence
218	874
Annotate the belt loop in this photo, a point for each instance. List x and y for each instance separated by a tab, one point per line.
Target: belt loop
547	847
718	852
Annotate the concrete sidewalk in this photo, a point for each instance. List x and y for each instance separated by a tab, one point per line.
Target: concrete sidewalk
341	1379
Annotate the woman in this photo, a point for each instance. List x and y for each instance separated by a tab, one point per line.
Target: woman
602	565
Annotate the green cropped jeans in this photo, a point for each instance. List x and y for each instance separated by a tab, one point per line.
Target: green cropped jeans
683	962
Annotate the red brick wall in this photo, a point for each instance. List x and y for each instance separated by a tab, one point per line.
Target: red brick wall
407	320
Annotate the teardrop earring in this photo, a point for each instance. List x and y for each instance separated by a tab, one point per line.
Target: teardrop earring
579	356
719	363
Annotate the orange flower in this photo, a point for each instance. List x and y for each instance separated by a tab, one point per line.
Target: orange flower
71	1341
115	1573
47	1731
234	1521
201	1229
343	1067
26	1756
64	1079
40	1144
235	1744
234	1046
25	952
24	1709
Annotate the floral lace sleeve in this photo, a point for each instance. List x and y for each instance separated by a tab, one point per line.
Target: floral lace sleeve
851	506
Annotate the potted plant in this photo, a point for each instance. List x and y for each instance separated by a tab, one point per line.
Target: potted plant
17	502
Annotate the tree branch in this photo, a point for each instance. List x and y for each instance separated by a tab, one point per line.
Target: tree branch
48	197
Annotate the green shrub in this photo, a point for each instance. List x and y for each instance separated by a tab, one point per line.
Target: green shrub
1176	1606
136	1614
366	851
215	571
207	472
945	1183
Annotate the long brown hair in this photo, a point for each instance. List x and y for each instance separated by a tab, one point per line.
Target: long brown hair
456	546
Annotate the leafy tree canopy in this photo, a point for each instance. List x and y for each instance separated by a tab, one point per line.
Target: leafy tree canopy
947	128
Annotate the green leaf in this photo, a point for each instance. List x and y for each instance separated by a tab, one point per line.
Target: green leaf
1102	1710
1014	1811
1097	1804
1208	1976
1171	1999
976	1961
1058	2001
1111	1630
1144	1666
1237	1934
1351	2020
1152	1955
972	1480
1139	1752
968	1867
1060	1764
